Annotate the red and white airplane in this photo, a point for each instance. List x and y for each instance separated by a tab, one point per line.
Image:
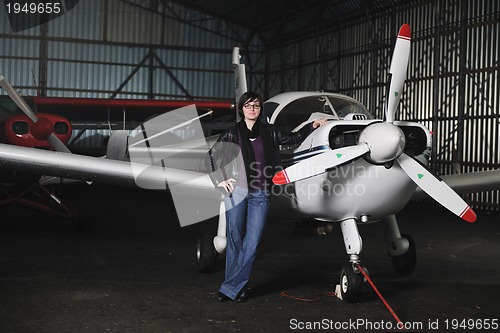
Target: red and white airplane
352	171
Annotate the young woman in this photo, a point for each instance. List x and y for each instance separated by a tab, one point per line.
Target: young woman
243	162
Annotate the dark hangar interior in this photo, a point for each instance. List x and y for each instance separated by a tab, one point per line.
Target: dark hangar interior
124	264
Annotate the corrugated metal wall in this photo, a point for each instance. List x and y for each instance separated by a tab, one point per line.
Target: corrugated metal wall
453	75
118	49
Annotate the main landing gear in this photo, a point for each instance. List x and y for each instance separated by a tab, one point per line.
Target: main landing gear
209	247
401	249
206	255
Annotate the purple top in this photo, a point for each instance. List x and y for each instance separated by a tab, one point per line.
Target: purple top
261	182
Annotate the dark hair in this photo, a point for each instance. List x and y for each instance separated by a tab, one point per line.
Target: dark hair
249	96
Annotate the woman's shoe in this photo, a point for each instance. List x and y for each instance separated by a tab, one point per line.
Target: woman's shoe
222	297
242	297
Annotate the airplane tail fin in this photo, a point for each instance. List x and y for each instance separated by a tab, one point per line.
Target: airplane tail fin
240	79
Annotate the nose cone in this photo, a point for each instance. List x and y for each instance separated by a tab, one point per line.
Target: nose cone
42	129
385	140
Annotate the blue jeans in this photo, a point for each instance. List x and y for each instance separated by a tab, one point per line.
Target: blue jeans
246	214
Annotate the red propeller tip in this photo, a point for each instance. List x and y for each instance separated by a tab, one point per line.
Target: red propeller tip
405	31
468	215
281	178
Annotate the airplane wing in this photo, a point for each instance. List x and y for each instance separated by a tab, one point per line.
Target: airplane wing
193	193
468	183
88	168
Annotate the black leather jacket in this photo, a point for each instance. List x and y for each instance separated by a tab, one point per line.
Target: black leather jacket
222	159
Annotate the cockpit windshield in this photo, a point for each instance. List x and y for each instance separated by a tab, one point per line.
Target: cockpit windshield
300	110
8	107
344	107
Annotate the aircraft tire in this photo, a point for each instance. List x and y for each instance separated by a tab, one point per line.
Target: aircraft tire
206	254
351	284
405	263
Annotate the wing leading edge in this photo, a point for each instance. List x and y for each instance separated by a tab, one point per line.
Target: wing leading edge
87	168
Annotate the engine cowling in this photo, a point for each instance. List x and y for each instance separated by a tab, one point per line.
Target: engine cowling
21	131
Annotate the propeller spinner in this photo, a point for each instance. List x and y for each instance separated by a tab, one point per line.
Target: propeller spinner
384	142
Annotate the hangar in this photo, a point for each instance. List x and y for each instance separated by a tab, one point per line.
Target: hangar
181	50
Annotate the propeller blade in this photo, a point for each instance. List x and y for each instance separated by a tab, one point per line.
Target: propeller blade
436	188
54	141
17	99
399	65
57	144
320	163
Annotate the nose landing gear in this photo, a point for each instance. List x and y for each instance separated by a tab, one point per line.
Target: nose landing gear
351	279
401	249
351	284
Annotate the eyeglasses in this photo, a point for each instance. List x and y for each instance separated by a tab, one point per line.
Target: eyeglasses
252	106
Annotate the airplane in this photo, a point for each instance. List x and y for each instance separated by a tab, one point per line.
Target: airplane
34	130
352	171
119	114
50	128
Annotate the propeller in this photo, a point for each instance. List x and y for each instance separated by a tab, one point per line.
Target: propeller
436	188
384	142
42	128
399	65
320	163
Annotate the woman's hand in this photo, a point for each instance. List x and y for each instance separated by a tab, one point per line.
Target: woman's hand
320	122
228	185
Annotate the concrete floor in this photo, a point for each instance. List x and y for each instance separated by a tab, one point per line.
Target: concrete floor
132	269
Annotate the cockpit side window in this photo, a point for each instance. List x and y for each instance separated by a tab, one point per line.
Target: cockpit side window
269	108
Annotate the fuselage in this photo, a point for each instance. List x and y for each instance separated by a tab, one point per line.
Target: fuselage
360	189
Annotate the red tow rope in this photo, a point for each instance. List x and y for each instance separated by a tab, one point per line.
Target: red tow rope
400	323
308	300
